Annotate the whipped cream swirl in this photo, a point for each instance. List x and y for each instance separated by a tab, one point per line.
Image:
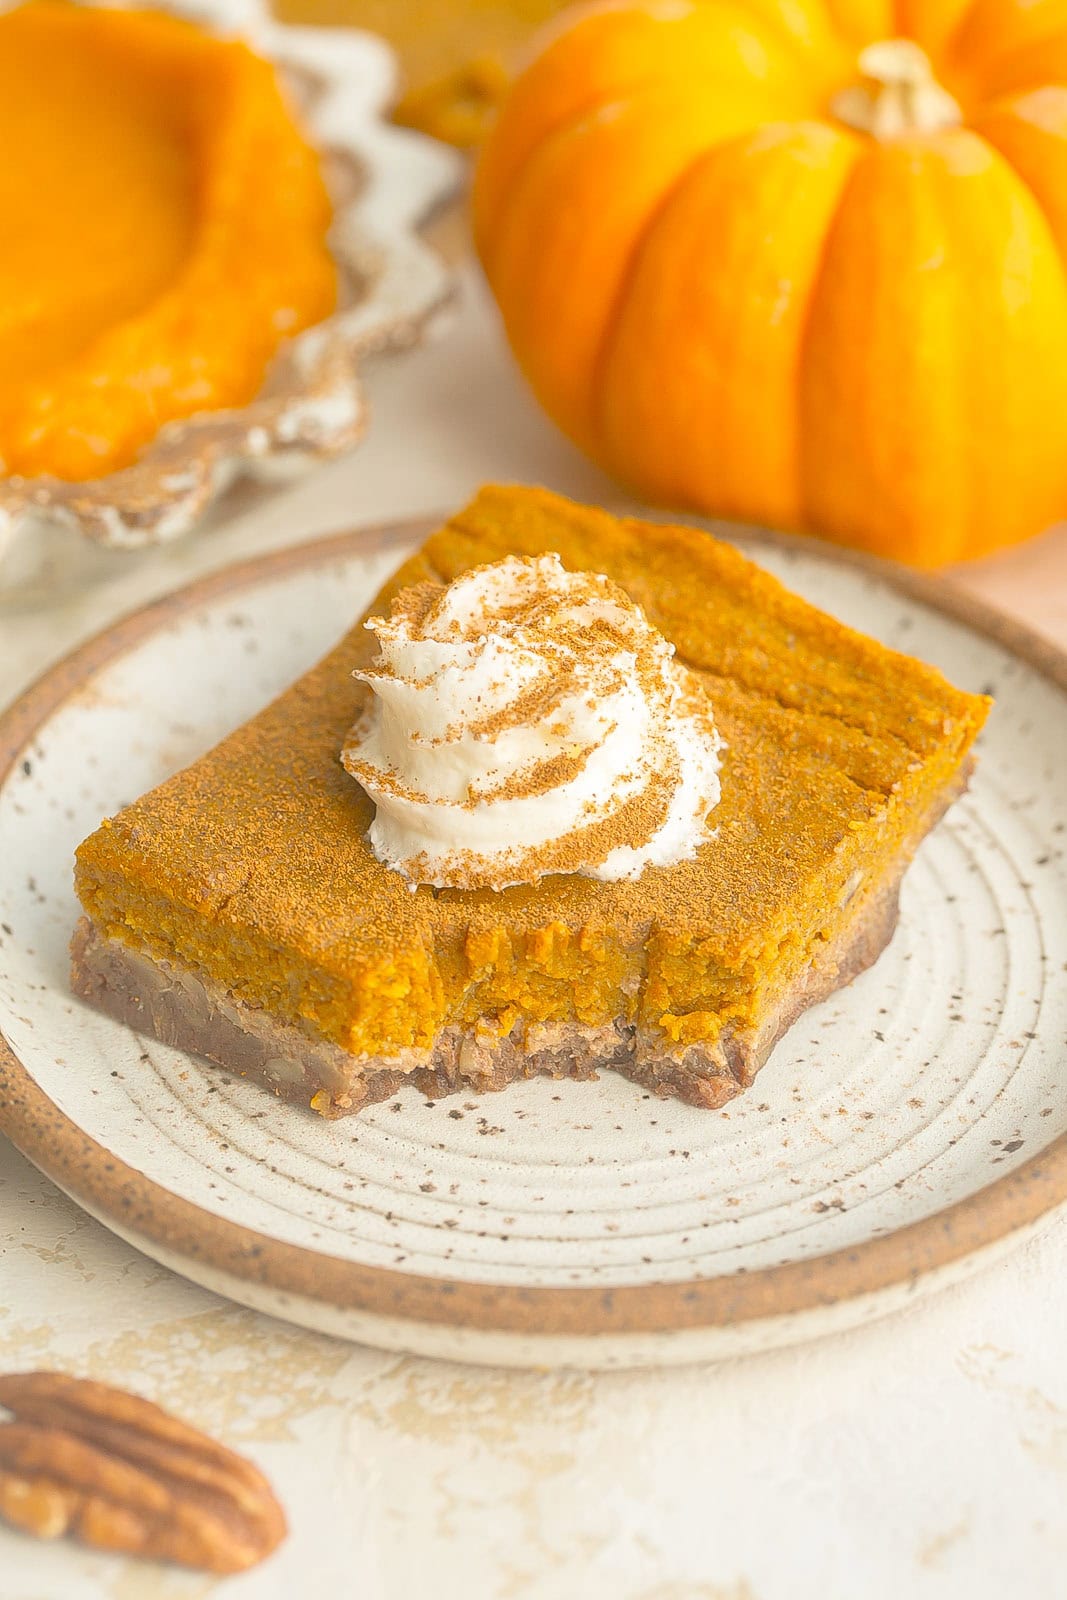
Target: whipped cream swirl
526	720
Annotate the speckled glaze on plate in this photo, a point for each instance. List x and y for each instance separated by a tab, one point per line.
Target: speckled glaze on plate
383	182
903	1133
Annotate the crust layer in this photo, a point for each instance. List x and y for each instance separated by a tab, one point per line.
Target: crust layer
183	1009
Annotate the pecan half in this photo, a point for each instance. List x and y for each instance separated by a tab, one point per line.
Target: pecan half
119	1473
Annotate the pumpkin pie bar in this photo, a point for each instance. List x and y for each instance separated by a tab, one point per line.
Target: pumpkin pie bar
240	910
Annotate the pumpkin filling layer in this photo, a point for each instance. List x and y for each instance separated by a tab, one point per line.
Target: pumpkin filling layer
165	228
239	909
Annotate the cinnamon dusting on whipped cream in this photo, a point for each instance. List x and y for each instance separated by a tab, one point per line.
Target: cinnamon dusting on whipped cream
526	720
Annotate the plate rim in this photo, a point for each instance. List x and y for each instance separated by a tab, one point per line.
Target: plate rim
88	1172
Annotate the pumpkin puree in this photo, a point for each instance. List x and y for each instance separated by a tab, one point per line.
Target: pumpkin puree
252	866
164	228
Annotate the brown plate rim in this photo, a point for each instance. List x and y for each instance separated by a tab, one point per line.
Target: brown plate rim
139	1207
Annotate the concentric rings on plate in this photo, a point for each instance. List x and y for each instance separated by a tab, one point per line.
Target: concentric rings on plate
910	1093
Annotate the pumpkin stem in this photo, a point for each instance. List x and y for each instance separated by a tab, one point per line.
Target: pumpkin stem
899	94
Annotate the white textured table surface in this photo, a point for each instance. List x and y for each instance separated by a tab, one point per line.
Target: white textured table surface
924	1456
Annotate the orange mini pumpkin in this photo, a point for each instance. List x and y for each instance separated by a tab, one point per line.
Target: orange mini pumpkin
799	261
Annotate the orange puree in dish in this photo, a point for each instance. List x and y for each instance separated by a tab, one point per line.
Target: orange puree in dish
164	227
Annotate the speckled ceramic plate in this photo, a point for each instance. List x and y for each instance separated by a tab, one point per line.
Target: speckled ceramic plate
902	1133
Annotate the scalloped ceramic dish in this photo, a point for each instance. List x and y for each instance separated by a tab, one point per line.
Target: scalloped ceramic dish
905	1132
383	182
